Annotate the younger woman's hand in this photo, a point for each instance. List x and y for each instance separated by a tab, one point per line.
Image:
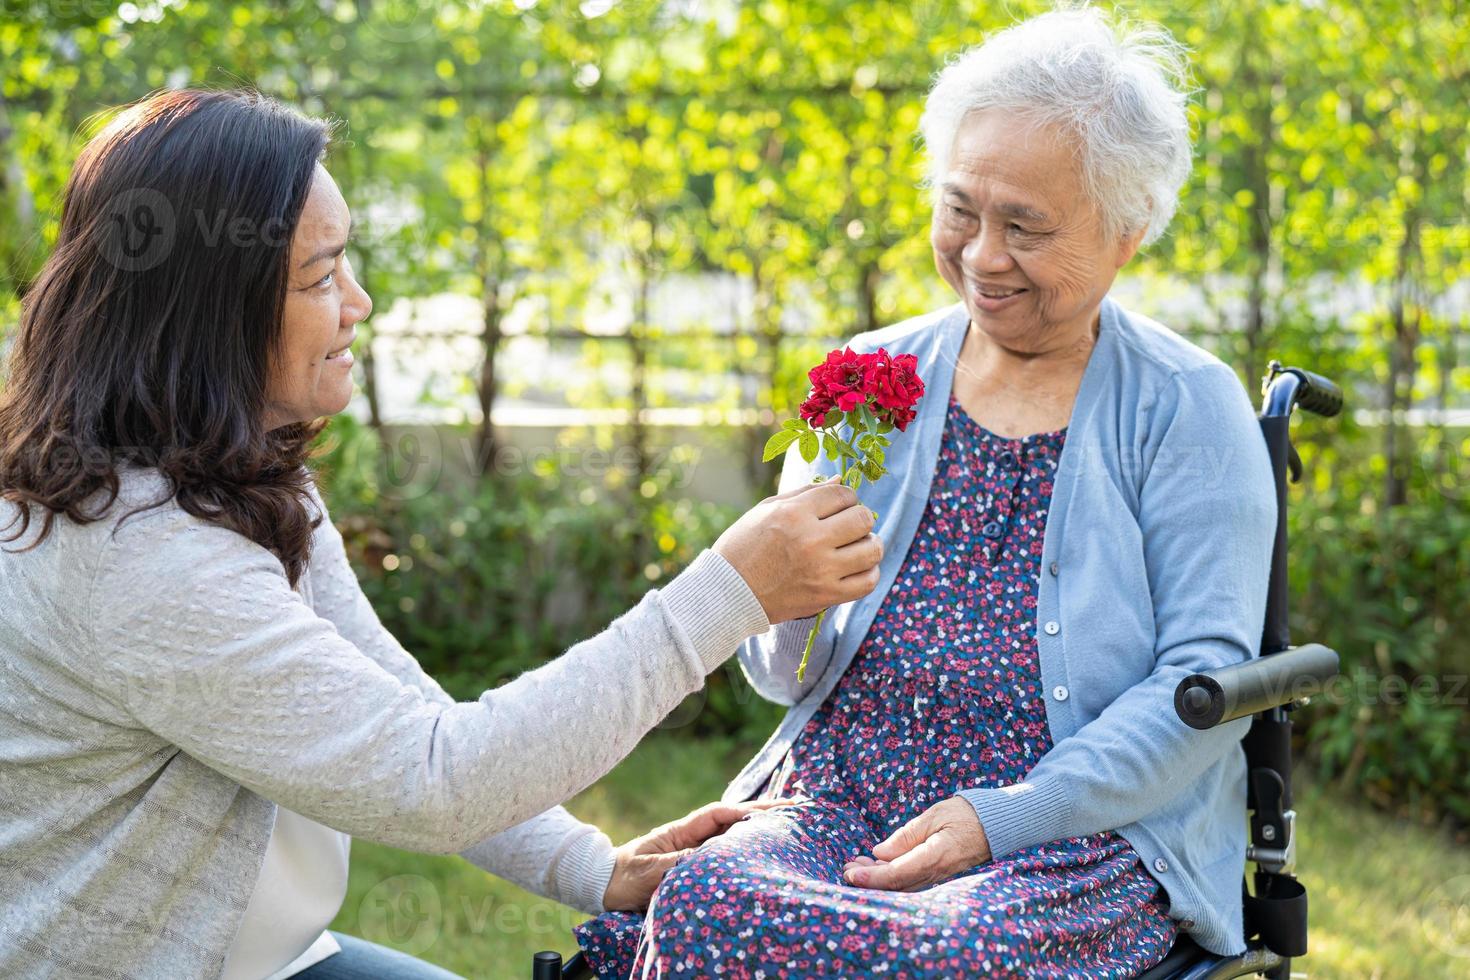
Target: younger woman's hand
939	843
641	864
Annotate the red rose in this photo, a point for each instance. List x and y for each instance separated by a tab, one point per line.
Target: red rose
840	379
815	409
894	381
846	380
896	387
900	417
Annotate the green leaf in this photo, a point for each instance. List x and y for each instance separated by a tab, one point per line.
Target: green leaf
885	426
795	425
872	469
854	478
829	445
831	419
778	443
809	446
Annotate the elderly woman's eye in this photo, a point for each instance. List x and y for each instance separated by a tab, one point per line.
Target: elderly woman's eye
326	280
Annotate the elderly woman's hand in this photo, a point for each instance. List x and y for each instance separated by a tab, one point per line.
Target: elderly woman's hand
941	842
641	864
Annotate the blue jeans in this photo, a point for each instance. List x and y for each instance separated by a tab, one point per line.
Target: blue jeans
362	960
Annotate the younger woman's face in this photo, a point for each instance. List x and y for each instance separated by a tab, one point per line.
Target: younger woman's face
313	375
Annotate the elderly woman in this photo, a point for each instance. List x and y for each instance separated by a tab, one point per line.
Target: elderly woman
990	780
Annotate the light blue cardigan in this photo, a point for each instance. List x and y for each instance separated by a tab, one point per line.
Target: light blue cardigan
1155	563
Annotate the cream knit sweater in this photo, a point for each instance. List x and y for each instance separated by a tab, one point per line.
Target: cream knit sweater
162	688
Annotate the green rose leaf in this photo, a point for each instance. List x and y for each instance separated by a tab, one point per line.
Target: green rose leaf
810	446
777	444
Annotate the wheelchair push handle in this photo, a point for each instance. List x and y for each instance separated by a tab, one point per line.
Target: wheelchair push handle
1286	387
1317	394
1214	697
546	966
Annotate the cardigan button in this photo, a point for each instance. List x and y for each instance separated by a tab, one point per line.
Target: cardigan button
1185	924
1059	692
991	530
1007	459
1052	627
1053	568
1160	865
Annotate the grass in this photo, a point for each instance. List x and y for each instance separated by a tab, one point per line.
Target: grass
1389	899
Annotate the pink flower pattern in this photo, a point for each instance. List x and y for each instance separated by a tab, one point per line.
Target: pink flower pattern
943	694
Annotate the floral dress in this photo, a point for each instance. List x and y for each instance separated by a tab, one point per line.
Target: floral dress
944	694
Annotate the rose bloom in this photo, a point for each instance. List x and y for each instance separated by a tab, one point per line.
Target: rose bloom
846	380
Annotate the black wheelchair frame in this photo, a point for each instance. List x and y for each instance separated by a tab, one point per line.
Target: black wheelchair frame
1268	687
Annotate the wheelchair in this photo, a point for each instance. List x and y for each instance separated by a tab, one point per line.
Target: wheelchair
1269	687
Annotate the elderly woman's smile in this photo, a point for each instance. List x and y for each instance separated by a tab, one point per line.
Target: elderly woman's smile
1016	235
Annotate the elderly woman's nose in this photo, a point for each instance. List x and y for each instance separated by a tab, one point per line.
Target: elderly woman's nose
986	251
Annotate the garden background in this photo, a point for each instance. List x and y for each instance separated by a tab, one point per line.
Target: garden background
605	239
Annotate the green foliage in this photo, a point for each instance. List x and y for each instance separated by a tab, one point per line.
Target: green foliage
1389	592
559	161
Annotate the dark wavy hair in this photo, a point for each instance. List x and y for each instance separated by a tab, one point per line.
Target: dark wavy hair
147	337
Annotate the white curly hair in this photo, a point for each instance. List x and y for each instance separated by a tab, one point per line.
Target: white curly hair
1122	91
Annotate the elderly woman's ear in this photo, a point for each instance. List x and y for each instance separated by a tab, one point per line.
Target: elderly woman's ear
1129	245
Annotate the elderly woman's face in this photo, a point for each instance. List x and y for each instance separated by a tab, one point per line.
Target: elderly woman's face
324	303
1017	239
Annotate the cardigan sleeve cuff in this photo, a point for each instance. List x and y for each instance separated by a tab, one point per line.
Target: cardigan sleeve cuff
1020	815
715	608
583	872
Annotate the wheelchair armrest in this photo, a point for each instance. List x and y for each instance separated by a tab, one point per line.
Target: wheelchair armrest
1216	696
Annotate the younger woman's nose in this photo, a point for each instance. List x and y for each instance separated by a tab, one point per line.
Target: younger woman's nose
357	305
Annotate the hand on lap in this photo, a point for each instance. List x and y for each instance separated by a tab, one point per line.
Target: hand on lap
641	864
939	843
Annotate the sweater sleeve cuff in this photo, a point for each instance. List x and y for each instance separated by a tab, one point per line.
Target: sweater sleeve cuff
583	872
715	608
1020	815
